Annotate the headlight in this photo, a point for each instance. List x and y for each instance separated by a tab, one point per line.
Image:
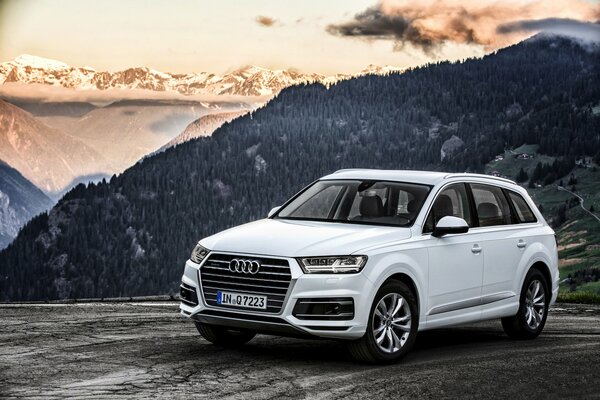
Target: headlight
333	265
198	254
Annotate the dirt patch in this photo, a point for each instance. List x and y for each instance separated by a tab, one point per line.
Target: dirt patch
565	262
569	235
581	242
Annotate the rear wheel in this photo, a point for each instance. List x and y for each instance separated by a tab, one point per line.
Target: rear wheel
392	329
223	336
533	308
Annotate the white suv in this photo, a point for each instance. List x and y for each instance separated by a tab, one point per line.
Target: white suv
372	257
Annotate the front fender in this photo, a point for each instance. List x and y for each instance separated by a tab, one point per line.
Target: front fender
412	263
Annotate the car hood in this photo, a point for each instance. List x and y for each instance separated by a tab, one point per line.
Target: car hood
289	238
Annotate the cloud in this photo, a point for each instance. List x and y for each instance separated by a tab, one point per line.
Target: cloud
428	24
587	31
265	21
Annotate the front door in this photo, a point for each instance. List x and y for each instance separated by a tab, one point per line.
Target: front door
455	261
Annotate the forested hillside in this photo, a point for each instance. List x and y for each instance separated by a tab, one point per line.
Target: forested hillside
131	236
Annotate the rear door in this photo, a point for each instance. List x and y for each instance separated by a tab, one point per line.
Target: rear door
501	239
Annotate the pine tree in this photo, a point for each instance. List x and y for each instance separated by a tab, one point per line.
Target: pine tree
522	176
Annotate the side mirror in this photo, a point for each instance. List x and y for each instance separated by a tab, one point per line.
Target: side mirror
450	225
273	211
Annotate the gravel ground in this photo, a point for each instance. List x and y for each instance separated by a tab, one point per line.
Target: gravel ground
142	350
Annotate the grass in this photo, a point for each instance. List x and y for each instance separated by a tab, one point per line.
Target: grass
578	297
591	287
511	166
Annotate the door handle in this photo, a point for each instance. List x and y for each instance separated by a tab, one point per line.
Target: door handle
521	244
476	249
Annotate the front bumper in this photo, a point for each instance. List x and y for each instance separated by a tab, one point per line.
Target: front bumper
302	286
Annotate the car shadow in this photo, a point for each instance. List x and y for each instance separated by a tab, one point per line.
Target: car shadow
459	341
459	336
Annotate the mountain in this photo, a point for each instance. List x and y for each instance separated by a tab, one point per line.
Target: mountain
372	69
20	200
126	131
49	158
204	126
131	235
245	81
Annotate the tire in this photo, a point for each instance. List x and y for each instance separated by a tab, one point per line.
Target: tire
367	349
225	337
533	309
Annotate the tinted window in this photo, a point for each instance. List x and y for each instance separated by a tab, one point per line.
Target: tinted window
522	208
491	205
452	201
360	202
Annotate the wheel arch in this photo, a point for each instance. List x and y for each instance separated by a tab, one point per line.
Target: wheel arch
407	265
408	281
545	270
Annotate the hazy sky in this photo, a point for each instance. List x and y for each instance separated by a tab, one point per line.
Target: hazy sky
325	36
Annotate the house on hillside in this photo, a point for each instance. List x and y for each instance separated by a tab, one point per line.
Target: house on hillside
585	162
524	156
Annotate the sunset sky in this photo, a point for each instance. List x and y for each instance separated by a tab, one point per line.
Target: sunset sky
324	36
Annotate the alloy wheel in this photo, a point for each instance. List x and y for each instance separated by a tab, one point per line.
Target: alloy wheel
391	322
535	304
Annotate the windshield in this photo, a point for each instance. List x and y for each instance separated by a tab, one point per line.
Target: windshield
358	202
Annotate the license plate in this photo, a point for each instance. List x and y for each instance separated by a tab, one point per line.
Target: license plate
242	300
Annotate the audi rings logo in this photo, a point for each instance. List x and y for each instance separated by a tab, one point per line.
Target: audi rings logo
244	266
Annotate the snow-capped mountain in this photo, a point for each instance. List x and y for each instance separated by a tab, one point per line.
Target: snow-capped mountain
246	81
377	70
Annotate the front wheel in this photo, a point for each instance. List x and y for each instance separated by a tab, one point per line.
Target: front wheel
392	329
533	308
223	336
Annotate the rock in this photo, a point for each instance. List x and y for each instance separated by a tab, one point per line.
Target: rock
451	147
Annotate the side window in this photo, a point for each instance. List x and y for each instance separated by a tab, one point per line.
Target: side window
491	205
522	208
452	201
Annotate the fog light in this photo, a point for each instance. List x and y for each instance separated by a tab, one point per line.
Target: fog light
330	309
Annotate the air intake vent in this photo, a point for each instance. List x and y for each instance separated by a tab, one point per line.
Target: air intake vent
187	295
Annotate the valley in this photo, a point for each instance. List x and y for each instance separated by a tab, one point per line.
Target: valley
130	235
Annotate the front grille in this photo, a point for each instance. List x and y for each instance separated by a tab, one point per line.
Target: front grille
272	280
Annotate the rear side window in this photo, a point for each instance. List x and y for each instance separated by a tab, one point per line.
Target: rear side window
491	205
523	210
452	201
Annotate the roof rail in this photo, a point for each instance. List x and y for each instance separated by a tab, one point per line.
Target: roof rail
349	169
481	176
